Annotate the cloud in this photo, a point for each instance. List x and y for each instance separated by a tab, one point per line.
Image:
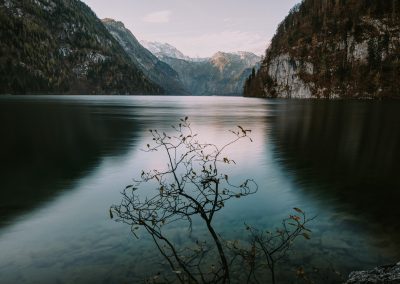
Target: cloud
158	17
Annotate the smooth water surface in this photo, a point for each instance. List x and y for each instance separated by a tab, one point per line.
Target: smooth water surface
65	160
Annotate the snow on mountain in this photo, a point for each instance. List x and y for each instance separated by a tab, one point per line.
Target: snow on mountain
221	74
158	71
162	50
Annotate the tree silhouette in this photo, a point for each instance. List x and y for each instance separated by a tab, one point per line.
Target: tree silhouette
193	188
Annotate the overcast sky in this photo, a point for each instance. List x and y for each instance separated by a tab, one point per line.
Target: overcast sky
199	28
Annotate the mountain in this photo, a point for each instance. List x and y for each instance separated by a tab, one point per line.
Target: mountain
60	46
155	69
222	74
333	49
165	50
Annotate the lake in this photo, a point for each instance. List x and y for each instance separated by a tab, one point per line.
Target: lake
65	161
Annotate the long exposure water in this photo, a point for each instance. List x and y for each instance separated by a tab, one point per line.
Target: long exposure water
65	161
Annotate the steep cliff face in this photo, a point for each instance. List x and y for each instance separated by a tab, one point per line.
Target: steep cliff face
333	49
222	74
158	71
60	46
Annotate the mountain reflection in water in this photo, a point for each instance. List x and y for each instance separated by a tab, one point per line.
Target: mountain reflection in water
45	146
350	149
65	160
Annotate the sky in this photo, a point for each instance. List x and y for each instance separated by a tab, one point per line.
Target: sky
199	28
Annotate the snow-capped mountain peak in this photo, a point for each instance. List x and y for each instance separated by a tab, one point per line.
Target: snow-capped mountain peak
163	50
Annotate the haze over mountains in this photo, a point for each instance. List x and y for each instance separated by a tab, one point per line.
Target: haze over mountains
222	74
155	69
323	49
165	50
61	47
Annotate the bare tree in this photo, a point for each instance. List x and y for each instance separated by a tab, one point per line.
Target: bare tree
190	189
191	186
270	246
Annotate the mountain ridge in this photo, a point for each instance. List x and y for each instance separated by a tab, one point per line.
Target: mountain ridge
224	73
156	70
162	50
61	47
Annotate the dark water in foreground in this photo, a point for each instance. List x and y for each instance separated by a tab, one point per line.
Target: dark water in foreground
65	160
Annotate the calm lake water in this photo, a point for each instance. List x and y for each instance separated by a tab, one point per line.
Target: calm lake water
65	161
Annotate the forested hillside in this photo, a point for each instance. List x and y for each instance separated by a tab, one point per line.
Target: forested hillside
60	46
158	71
333	49
223	74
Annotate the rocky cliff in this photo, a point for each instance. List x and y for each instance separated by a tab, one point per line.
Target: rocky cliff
155	69
222	74
60	46
333	49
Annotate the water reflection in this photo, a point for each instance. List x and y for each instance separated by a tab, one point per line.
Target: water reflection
45	146
82	153
65	160
345	154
